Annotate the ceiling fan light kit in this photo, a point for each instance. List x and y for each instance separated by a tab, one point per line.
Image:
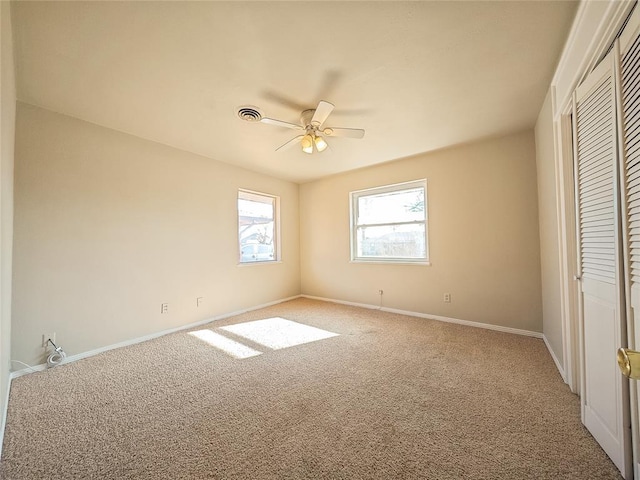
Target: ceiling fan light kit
321	145
312	122
307	143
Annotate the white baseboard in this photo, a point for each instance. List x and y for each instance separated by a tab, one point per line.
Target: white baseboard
3	420
151	336
342	302
555	359
439	318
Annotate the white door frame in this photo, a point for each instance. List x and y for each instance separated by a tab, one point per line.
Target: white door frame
569	294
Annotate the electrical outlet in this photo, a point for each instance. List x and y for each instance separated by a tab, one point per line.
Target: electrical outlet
198	301
46	337
380	292
164	308
447	298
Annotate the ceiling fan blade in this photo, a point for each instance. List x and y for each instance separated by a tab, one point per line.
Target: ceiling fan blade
280	123
290	143
322	112
283	100
343	132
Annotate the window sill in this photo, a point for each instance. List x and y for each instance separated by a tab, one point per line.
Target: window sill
392	262
250	264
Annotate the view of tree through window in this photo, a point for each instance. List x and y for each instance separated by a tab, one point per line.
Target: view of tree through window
390	223
257	227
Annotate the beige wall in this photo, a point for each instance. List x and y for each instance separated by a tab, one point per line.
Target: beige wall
483	240
7	129
109	226
549	236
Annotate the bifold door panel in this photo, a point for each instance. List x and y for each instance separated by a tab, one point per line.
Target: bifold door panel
629	139
604	398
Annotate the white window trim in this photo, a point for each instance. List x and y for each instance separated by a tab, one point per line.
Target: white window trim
353	199
276	229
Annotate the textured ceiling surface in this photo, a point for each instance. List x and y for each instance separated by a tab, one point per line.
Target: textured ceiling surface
417	76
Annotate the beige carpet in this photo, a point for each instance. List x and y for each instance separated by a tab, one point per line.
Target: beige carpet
390	397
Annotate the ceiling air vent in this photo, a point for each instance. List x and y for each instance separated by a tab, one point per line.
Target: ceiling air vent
249	113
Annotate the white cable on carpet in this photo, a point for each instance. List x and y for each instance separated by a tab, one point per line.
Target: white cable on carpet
26	365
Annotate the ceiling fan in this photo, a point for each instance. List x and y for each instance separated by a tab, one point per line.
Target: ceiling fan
311	122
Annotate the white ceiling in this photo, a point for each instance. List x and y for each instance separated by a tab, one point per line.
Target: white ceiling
418	76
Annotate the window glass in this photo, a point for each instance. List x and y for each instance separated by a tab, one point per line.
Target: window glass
390	223
257	227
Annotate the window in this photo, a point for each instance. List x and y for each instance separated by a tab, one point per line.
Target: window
257	227
389	224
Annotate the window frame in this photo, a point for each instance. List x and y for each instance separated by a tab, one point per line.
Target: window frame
355	195
276	228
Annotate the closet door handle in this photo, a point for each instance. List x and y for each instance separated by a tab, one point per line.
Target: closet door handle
629	363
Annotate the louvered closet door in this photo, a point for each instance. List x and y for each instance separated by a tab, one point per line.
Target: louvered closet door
630	148
603	396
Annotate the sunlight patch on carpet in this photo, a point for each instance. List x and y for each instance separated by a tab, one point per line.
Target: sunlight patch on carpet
235	349
277	333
